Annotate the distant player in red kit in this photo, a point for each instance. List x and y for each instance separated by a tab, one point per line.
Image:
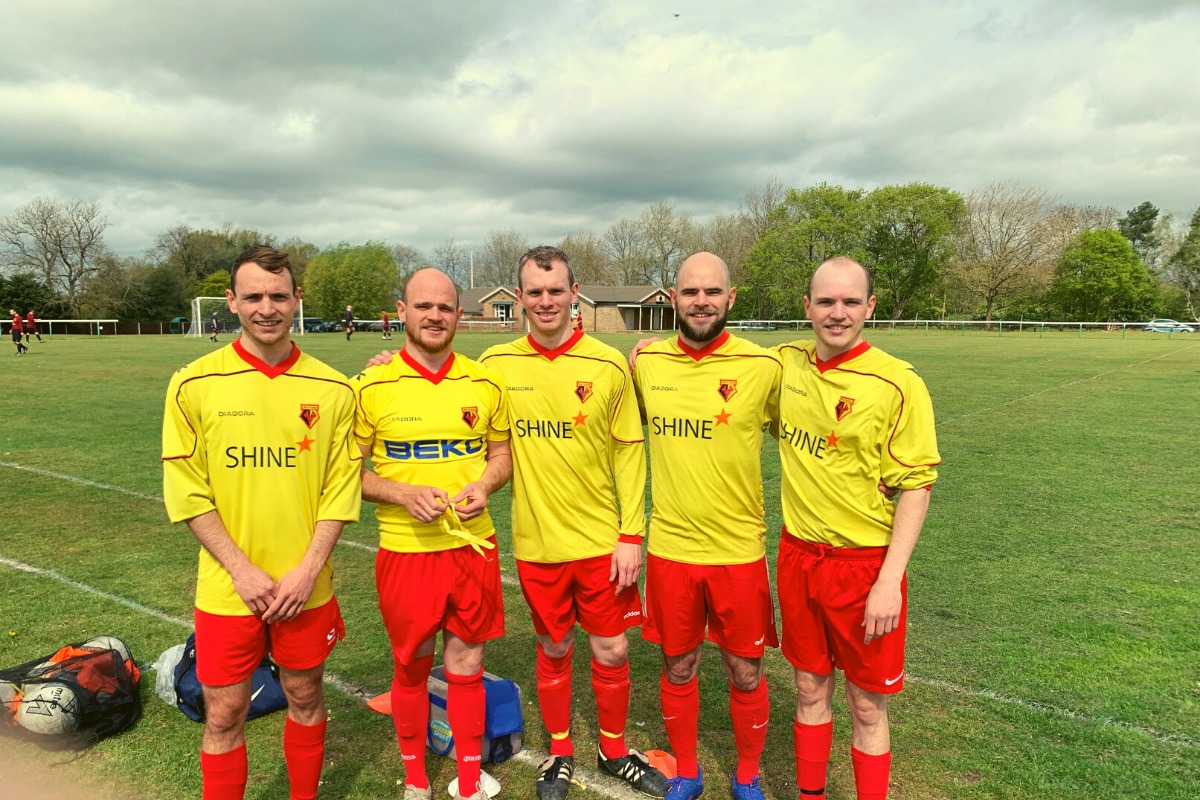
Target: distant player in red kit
17	329
31	326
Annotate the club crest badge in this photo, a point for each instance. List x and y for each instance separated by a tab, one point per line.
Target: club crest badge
727	389
470	416
583	390
843	408
309	414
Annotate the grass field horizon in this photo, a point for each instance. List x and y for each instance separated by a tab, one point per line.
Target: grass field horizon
1054	641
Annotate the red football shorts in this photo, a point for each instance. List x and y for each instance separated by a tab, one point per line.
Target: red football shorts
732	600
823	599
559	595
422	593
229	648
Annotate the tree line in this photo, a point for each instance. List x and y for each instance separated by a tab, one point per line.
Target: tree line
1004	251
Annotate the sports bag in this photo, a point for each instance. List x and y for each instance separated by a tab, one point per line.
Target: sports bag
266	693
503	726
74	697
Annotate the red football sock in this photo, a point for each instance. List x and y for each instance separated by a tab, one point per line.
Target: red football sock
681	716
304	752
466	707
871	774
749	712
554	698
410	716
813	745
611	687
224	774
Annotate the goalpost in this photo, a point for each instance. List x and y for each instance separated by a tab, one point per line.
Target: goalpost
227	322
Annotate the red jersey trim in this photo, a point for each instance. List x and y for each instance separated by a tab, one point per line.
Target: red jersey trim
841	358
262	366
558	351
629	538
433	377
706	350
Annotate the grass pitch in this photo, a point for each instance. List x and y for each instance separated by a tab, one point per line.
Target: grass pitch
1054	643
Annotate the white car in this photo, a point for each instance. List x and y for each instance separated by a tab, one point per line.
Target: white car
1168	326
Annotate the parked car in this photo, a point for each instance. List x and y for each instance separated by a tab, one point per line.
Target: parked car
313	324
1168	326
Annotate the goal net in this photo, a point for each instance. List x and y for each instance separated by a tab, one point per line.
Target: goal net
228	324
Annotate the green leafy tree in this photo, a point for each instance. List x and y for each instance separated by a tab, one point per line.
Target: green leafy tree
809	226
214	284
910	238
363	276
1100	278
1183	268
1138	226
24	291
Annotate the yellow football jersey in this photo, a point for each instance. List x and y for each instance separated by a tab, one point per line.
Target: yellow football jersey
429	429
271	450
579	464
845	424
705	412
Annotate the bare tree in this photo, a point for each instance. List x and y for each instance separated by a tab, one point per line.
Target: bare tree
59	241
497	263
667	237
1005	250
729	236
757	206
589	258
452	258
628	253
1067	221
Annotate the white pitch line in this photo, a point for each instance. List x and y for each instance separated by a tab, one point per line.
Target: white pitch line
340	684
45	473
1023	398
1059	711
511	581
507	580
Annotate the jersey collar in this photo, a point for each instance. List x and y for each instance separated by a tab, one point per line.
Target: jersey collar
841	358
558	351
433	377
271	371
703	351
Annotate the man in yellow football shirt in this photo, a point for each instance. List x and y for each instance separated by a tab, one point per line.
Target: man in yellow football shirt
435	427
852	418
706	398
577	515
259	461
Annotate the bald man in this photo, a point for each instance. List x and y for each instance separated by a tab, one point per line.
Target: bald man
706	397
852	419
435	427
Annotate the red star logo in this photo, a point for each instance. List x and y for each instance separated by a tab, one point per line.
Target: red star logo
580	418
831	441
723	417
305	443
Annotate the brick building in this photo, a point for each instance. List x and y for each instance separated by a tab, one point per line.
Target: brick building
605	309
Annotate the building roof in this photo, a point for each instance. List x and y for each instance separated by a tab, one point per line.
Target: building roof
598	295
472	300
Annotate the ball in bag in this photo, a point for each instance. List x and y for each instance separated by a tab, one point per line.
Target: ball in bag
108	643
49	708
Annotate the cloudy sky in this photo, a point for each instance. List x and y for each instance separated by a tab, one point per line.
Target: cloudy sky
414	122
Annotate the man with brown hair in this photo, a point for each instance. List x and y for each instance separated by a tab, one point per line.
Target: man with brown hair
265	474
578	514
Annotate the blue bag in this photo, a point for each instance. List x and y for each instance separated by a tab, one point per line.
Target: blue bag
266	693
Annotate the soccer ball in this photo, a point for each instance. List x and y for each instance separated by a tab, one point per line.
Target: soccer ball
49	709
108	643
8	693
